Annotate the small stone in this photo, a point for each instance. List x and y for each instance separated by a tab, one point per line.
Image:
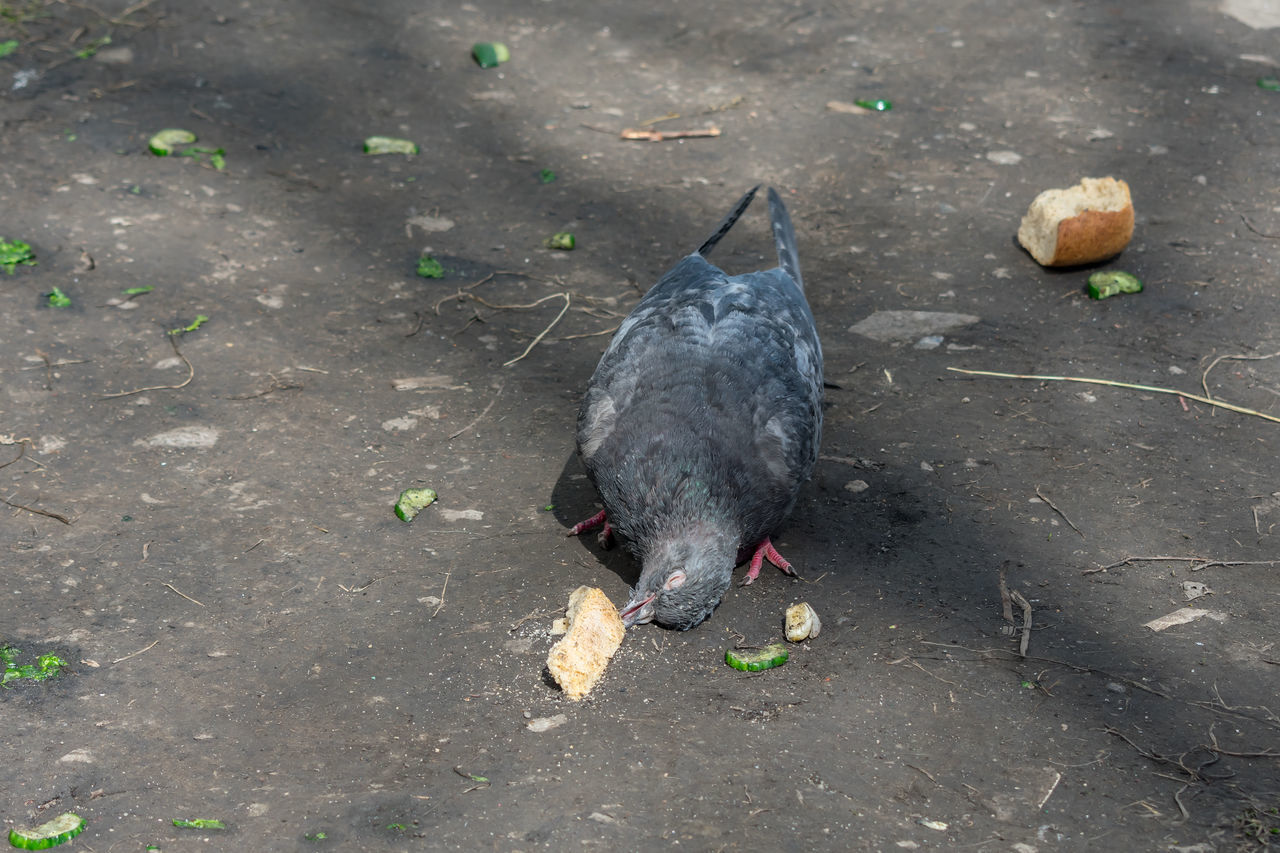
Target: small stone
543	724
1004	158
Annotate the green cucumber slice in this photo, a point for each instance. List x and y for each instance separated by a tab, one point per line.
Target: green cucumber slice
563	240
490	54
1111	282
60	830
12	254
163	143
429	267
774	654
389	145
412	502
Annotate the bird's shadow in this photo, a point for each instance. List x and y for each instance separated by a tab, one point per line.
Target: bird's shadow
574	499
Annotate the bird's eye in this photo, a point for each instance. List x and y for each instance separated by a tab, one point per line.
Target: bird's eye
674	581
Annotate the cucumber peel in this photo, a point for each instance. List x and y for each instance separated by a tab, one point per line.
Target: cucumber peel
163	143
12	254
199	823
60	830
747	660
1111	282
389	145
563	240
429	267
46	666
58	299
195	324
490	54
412	502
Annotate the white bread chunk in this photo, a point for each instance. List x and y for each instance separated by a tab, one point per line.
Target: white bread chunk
1089	222
578	659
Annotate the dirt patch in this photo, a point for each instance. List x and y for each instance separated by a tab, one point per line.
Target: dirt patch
201	523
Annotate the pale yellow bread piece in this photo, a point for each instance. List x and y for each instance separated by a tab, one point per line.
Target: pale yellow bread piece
1089	222
578	659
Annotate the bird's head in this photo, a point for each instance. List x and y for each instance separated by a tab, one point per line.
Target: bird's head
681	582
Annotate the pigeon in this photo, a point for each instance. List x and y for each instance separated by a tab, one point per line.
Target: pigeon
702	422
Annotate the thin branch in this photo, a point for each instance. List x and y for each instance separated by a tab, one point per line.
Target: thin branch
1155	389
45	513
443	589
1054	507
138	652
544	332
183	594
191	374
480	416
1204	377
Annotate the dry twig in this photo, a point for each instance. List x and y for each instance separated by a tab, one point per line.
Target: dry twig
1205	563
1155	389
32	509
138	652
480	416
183	594
664	135
1042	496
191	374
1204	377
544	332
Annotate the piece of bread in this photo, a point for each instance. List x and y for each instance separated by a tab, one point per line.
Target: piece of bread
578	659
1089	222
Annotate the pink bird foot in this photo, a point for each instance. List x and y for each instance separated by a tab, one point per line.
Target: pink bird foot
604	539
765	550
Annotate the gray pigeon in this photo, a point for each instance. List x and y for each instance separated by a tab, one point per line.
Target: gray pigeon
701	423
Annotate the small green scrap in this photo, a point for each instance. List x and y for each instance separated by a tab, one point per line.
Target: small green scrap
46	666
878	104
93	47
1271	84
163	143
58	299
217	156
413	501
8	47
14	253
134	291
774	654
195	324
546	176
429	267
490	54
1110	282
563	240
389	145
60	830
199	823
316	836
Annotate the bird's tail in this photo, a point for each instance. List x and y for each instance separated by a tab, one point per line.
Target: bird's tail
734	215
784	237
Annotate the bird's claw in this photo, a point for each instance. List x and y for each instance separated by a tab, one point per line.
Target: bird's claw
766	551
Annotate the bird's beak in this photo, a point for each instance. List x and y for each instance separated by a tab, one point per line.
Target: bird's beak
638	611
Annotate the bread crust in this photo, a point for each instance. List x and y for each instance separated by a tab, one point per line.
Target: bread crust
1084	224
1094	235
578	659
